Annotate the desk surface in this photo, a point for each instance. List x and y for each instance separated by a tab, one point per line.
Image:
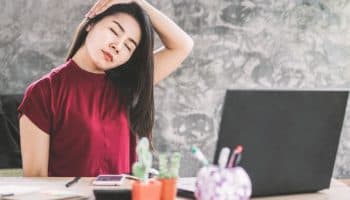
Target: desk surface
338	190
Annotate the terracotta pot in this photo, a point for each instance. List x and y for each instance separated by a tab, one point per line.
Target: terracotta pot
146	191
169	188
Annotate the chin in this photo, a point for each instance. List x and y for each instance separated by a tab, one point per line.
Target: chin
99	63
104	65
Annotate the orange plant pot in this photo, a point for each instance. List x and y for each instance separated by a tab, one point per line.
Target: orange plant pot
146	191
169	188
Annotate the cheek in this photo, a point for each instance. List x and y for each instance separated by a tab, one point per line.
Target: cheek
92	46
96	41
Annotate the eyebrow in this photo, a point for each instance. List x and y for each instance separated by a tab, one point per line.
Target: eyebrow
121	28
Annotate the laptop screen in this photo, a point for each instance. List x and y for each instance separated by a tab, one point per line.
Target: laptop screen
290	138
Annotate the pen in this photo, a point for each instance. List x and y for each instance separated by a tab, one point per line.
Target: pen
6	195
199	155
238	158
233	159
223	157
76	179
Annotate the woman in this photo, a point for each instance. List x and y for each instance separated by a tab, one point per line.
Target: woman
84	117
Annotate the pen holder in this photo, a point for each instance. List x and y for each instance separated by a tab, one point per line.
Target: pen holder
223	183
146	191
169	189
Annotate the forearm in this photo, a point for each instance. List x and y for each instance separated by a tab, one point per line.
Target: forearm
34	148
172	36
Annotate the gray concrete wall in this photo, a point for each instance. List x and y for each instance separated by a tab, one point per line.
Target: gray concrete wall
238	44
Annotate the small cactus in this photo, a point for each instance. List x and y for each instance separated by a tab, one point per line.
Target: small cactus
172	171
175	164
142	167
163	165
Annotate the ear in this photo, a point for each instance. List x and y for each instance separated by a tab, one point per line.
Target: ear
89	27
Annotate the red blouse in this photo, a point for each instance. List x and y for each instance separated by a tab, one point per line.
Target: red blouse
88	128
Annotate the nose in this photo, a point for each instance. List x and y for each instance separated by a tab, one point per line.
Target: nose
115	47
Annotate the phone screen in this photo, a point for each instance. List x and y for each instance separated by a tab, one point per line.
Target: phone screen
109	178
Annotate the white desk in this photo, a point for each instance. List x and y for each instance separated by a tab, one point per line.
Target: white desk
338	190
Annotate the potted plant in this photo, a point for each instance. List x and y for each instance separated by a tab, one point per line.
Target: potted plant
145	188
168	175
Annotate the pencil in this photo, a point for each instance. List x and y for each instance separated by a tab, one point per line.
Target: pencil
76	179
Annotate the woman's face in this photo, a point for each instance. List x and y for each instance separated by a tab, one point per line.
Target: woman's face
111	41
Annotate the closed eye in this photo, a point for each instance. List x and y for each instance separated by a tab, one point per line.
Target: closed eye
115	33
127	47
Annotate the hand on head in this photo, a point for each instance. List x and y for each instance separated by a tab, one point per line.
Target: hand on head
102	5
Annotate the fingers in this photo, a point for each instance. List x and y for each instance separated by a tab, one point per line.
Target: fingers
102	5
96	8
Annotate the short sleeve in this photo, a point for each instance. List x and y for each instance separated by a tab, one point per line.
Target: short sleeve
36	104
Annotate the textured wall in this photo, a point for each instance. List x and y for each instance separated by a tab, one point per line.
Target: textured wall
238	44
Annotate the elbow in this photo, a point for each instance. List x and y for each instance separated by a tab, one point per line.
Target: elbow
189	45
27	172
186	45
34	174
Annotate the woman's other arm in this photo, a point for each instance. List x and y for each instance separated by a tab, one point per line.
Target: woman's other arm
34	148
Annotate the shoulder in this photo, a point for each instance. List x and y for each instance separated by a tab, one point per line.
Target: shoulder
40	85
51	79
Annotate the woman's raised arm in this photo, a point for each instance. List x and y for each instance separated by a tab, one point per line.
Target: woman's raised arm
177	43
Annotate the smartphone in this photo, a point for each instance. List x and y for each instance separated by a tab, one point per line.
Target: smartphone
109	179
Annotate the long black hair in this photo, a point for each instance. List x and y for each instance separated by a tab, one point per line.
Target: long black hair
133	79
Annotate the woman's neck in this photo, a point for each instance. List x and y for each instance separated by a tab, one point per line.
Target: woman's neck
84	61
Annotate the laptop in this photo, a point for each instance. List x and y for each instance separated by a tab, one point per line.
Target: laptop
290	137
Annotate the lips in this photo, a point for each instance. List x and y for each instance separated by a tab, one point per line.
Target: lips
108	57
